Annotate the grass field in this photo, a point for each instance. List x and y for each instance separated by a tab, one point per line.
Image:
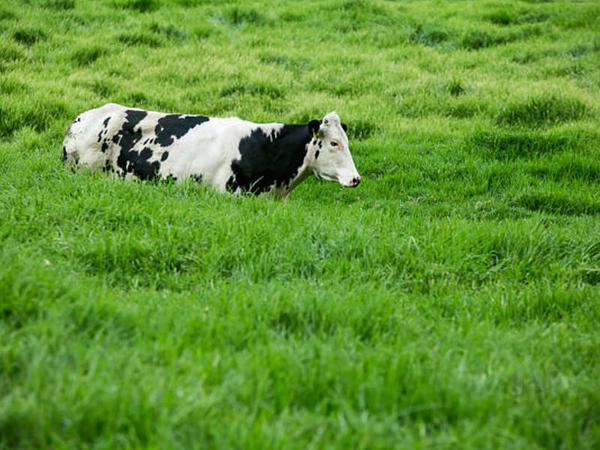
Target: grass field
451	301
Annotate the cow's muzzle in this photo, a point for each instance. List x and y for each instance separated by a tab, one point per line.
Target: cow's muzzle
353	182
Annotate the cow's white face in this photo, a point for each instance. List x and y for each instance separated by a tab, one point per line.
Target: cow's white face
332	160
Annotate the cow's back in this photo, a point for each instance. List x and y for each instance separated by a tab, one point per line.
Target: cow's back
138	144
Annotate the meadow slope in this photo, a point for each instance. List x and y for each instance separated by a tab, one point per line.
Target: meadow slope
451	301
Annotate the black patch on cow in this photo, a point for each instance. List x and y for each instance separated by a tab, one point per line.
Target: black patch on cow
64	155
344	127
144	169
129	160
103	131
317	154
174	126
266	162
197	178
127	136
164	156
320	143
314	126
104	147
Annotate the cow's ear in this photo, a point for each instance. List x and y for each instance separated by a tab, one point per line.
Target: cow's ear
313	127
344	127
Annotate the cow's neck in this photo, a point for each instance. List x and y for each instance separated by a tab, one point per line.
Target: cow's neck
301	145
303	173
306	169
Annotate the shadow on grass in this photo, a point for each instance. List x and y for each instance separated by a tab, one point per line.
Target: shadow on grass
29	36
558	204
511	144
87	55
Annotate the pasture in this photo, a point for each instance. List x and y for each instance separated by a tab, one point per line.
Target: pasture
450	301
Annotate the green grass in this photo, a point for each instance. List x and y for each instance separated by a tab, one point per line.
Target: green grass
451	301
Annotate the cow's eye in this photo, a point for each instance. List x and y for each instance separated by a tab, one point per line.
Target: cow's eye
334	144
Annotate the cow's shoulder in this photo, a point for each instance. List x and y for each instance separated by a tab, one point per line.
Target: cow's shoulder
270	157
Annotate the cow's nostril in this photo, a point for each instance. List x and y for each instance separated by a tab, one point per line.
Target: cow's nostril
356	181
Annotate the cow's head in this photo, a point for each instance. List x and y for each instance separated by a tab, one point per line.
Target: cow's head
331	158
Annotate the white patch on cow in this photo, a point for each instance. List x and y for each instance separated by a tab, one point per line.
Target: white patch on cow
81	139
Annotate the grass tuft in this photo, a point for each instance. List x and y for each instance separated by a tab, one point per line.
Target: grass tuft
568	167
171	32
477	39
260	89
579	50
142	6
140	39
11	86
29	36
483	38
137	98
10	52
508	16
6	15
203	31
542	111
591	276
510	144
501	17
87	55
361	129
428	36
293	64
26	298
239	16
455	88
38	114
103	87
60	5
558	204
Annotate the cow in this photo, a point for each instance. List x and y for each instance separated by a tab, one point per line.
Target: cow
229	154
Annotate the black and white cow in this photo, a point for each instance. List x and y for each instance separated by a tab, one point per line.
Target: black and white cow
229	154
